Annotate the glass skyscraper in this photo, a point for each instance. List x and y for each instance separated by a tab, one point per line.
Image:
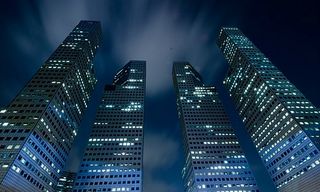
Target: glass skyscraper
38	127
283	124
114	154
214	160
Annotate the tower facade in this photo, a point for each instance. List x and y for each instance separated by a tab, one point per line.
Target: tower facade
38	127
283	124
214	160
113	157
66	182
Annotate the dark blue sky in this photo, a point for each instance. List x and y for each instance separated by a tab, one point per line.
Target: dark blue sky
161	32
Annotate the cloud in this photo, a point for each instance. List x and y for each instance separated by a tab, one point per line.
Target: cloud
159	32
158	185
165	36
59	18
160	153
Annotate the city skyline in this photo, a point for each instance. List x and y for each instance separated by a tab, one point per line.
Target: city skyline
160	33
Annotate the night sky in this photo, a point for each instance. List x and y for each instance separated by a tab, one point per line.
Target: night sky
161	32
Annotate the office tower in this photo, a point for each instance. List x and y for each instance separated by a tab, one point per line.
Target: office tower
66	182
214	160
282	123
38	127
113	157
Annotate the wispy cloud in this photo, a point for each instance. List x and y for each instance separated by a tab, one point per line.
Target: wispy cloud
160	153
157	32
165	36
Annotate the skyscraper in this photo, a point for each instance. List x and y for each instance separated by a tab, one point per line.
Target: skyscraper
283	124
214	160
66	182
38	127
113	157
